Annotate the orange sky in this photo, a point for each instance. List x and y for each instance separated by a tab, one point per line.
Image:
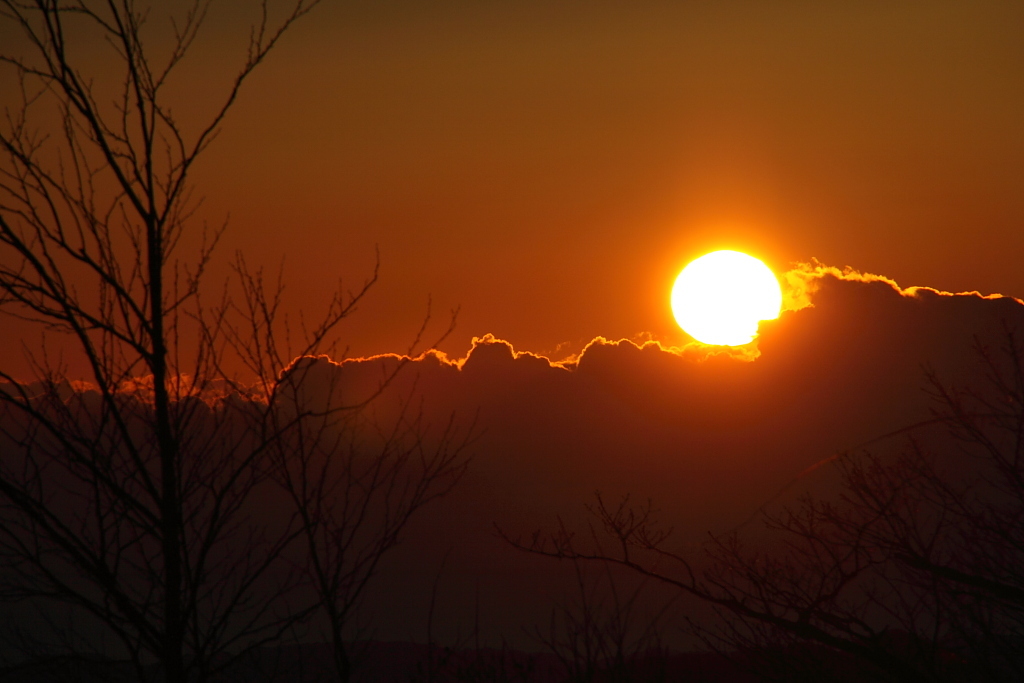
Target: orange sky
549	168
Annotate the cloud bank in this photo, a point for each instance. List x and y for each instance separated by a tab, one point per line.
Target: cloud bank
709	435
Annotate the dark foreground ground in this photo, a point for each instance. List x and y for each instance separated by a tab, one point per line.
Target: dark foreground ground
381	662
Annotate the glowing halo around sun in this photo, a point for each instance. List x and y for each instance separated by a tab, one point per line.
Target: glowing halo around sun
720	298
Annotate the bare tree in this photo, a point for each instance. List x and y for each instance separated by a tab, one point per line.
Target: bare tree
135	501
604	631
354	492
914	571
353	473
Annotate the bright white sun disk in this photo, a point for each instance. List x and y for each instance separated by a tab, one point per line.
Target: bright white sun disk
721	297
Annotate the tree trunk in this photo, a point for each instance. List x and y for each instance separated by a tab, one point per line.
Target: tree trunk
342	663
170	504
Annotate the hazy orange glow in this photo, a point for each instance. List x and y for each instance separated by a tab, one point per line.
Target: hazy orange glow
720	298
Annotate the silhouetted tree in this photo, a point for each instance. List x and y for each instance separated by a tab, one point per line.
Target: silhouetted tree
137	501
352	477
602	632
914	571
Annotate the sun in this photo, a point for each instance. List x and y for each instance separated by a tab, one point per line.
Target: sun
720	298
